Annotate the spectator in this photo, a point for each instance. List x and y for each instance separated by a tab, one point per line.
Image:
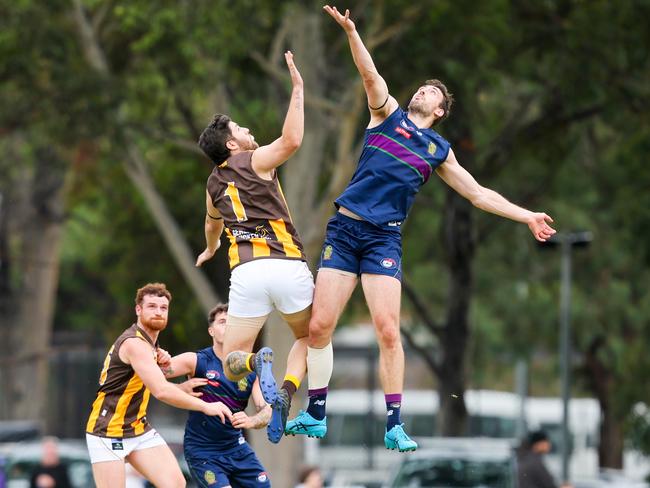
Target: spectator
310	477
50	473
532	471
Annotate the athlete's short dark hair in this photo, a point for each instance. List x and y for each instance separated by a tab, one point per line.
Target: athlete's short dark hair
219	308
155	289
214	137
447	99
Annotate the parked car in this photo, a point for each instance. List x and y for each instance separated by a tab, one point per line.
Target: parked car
22	458
462	462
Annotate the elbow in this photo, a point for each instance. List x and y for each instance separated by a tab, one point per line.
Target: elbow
479	198
293	143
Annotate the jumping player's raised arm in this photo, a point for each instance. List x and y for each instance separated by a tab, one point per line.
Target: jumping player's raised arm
380	102
464	183
266	158
213	229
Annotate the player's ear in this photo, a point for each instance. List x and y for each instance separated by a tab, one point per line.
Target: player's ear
232	144
439	112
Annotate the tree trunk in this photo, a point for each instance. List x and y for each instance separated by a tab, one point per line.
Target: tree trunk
601	382
34	220
459	245
137	172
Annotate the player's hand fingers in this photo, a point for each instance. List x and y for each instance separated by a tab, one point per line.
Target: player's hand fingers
226	411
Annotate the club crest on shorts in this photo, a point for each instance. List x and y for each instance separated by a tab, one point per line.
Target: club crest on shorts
210	477
327	252
262	477
388	263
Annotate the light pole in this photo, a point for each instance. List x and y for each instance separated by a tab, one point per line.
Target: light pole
566	241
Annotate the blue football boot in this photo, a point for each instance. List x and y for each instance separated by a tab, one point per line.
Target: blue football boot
305	424
396	438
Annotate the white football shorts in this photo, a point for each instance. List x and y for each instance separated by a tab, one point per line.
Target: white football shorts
104	449
258	286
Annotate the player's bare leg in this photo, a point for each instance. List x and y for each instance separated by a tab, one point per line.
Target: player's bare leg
159	465
238	342
295	372
333	290
110	474
383	298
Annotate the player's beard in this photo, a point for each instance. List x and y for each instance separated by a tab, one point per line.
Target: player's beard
252	145
154	323
418	107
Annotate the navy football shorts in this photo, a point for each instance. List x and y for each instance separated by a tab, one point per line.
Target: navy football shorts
238	468
359	247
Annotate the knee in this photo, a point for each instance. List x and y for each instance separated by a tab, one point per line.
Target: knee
320	332
388	335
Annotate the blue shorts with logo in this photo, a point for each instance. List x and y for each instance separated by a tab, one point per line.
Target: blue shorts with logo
359	247
238	468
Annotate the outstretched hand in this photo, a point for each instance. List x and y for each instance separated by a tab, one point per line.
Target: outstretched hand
538	226
296	79
206	255
343	20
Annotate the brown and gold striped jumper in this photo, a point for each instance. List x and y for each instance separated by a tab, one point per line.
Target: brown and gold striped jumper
120	408
255	213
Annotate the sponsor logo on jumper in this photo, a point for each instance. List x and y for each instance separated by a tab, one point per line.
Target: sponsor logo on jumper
241	440
388	263
403	132
216	384
394	223
247	235
418	133
262	477
406	126
432	149
212	374
327	252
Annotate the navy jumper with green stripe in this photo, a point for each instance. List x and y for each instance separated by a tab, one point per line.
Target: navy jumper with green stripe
397	159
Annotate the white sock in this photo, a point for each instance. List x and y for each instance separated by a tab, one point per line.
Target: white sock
320	363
